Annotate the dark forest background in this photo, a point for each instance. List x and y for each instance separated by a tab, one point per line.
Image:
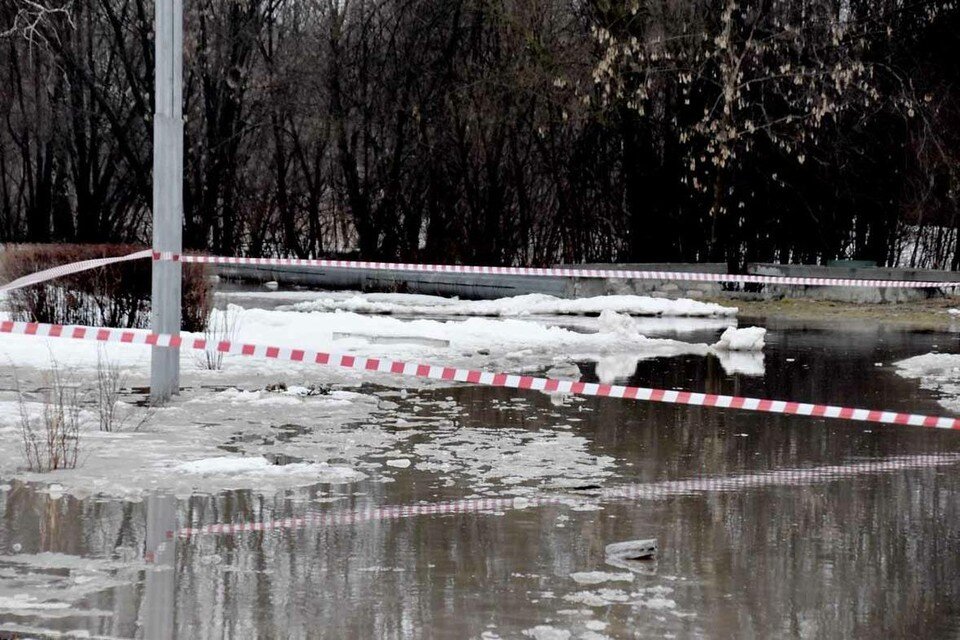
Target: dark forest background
497	131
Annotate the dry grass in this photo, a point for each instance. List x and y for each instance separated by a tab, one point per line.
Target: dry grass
51	436
931	313
51	441
222	325
113	414
113	296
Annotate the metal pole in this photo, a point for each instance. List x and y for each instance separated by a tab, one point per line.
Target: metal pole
167	194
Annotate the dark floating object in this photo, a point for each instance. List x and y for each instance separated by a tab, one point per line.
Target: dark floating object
632	550
586	487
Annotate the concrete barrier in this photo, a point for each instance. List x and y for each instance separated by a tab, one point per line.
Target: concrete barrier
483	286
848	294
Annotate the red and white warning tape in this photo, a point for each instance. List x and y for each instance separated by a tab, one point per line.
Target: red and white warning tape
372	514
486	378
67	269
628	274
649	491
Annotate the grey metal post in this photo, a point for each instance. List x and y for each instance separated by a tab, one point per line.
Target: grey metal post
167	194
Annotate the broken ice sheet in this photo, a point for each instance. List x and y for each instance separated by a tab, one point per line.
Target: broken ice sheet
208	440
514	459
53	585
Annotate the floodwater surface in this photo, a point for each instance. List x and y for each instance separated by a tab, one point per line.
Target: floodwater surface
786	527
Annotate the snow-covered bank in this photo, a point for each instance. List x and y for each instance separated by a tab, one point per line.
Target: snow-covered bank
938	372
508	344
648	325
528	345
358	333
526	305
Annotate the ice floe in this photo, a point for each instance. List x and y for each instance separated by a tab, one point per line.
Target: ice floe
938	372
523	305
743	339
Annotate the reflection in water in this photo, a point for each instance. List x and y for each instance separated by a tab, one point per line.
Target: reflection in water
160	553
622	367
768	526
746	363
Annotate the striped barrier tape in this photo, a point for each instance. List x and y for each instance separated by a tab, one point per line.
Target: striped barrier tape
486	378
629	274
68	269
648	491
623	274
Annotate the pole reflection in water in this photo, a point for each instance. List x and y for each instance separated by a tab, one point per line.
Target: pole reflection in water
157	613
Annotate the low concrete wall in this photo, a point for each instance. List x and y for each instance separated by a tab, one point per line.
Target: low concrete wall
480	286
467	286
584	287
848	294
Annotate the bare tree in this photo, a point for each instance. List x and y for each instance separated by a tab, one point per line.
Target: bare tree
32	19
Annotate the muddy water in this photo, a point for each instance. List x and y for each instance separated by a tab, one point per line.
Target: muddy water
804	553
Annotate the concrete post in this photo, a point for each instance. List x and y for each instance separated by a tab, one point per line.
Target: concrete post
167	194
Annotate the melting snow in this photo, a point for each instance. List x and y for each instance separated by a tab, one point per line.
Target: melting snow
530	304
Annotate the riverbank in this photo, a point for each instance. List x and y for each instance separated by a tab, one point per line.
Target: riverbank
931	313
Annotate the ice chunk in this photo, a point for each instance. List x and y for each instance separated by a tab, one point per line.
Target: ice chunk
939	372
546	632
613	322
568	370
598	577
746	339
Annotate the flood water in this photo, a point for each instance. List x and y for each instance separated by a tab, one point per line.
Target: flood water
806	552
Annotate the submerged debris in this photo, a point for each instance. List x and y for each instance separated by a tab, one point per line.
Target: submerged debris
633	549
638	556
